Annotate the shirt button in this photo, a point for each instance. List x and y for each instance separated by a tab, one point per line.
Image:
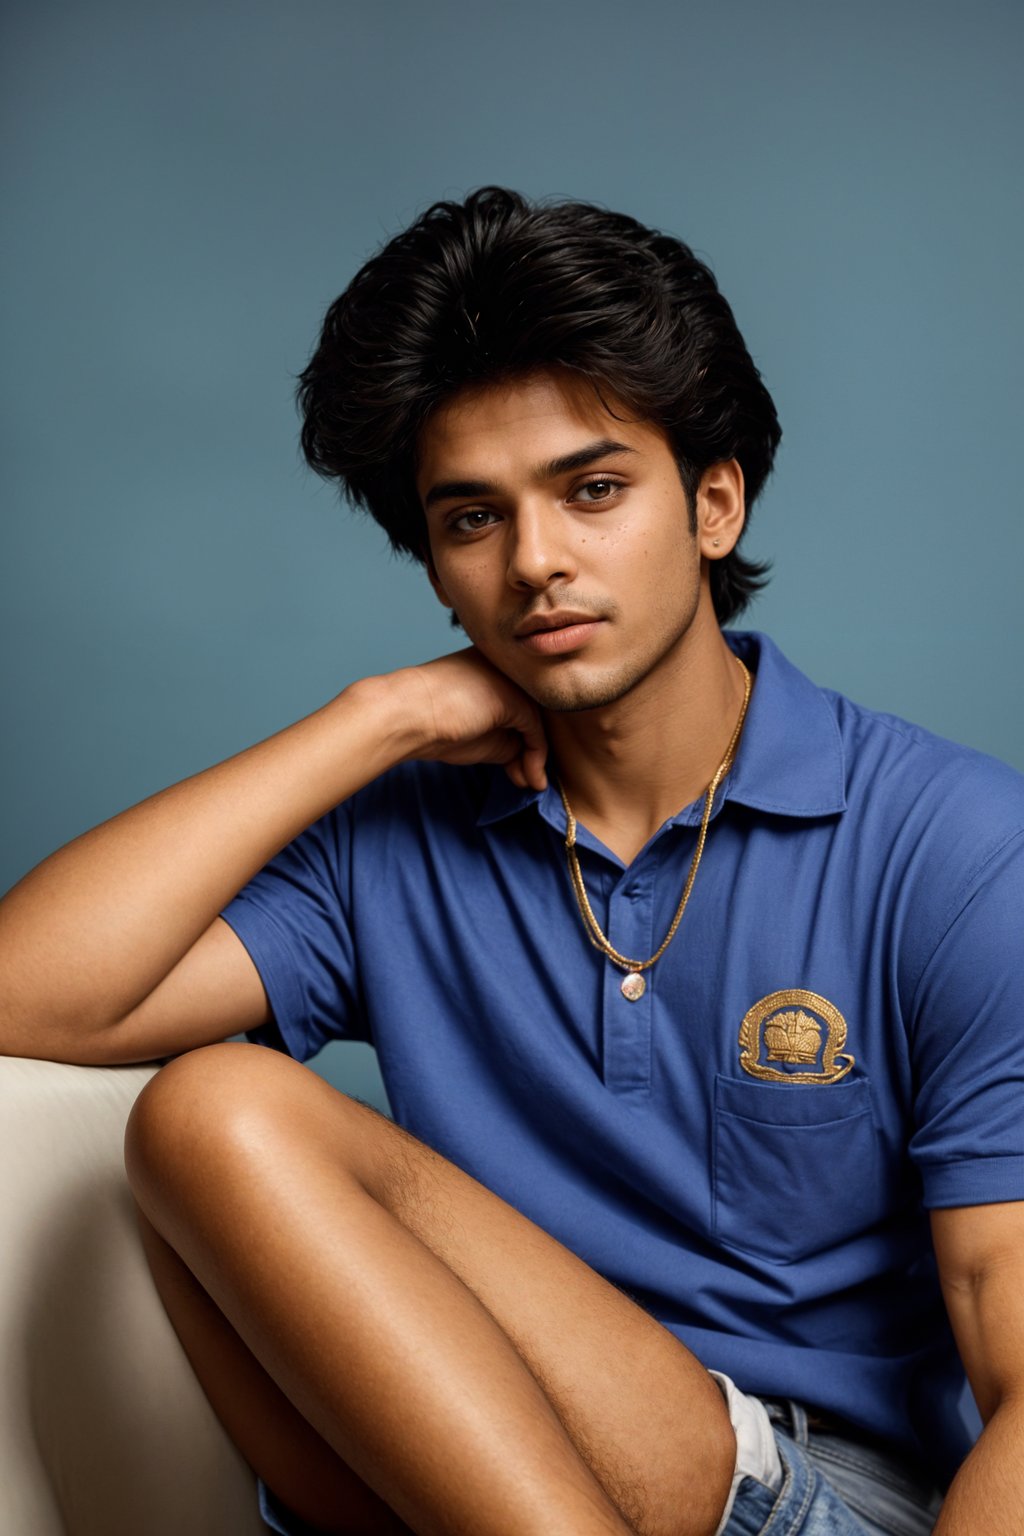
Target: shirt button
632	891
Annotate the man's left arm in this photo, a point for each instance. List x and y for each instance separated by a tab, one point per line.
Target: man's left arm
980	1252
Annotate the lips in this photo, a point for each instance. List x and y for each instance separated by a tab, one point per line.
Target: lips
561	618
557	640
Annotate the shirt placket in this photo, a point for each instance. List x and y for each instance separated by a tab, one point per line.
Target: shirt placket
626	1026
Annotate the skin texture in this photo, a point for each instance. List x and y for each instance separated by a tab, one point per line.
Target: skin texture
980	1252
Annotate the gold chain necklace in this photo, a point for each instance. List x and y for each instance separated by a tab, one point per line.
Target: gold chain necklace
633	985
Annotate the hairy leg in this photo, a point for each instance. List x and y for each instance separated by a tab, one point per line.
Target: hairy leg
466	1366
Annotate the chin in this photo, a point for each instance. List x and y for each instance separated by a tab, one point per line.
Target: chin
562	693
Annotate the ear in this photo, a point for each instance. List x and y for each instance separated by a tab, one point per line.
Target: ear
435	580
721	509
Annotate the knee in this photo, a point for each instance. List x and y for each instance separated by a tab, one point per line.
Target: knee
718	1461
693	1502
191	1107
230	1107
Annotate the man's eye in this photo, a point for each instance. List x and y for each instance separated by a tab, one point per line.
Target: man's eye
613	486
464	516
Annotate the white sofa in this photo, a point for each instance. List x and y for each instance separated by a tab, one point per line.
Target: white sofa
104	1430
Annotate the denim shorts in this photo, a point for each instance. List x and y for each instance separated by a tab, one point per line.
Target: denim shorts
833	1485
278	1517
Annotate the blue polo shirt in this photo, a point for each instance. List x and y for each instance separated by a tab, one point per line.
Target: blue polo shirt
831	1045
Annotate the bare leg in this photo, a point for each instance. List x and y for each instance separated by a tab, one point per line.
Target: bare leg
280	1446
471	1370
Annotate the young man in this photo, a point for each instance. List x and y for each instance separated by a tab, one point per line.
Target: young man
694	986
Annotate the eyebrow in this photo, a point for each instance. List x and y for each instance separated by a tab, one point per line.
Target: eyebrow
447	490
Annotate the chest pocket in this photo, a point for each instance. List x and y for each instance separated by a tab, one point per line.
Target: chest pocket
796	1168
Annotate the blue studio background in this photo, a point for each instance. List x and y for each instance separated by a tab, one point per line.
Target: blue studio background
188	186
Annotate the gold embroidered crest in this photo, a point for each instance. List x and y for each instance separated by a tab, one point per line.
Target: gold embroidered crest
790	1025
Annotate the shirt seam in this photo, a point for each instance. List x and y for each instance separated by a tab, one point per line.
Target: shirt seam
960	1161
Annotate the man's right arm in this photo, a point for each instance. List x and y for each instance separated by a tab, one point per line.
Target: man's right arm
112	949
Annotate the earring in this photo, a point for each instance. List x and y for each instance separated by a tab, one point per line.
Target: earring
716	542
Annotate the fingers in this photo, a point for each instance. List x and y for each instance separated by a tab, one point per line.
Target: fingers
517	741
534	747
533	760
535	755
514	769
526	768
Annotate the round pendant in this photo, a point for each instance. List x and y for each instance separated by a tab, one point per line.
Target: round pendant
633	986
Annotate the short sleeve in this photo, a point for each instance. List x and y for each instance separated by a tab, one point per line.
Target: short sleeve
968	1043
295	919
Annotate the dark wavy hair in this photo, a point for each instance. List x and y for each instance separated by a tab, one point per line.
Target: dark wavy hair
496	288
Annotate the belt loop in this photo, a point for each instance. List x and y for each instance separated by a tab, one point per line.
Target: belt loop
798	1418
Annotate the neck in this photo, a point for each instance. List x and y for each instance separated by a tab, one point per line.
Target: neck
628	767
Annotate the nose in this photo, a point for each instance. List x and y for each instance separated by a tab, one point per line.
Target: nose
539	550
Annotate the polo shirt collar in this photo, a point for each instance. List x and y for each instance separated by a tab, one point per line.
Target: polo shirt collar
789	761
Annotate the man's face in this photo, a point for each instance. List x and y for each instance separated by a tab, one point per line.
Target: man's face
606	543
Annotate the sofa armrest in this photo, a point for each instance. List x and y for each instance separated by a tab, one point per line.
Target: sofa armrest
104	1429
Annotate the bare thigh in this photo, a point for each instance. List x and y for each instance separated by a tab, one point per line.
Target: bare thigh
279	1444
231	1133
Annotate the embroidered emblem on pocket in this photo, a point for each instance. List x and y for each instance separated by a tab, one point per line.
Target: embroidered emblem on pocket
798	1029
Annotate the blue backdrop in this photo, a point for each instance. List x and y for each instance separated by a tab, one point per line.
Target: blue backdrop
188	186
